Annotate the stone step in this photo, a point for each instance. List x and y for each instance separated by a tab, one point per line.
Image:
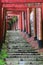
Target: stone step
19	49
37	57
27	62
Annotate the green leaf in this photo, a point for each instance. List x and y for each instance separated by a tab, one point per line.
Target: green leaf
2	62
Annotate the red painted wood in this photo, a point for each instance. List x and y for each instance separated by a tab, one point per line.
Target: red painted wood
26	23
42	20
16	9
1	24
28	20
14	5
23	20
20	1
39	24
20	22
42	11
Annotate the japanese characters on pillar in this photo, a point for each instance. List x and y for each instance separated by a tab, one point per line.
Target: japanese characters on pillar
39	27
28	21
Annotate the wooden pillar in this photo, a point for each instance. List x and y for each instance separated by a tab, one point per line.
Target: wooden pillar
4	24
3	20
39	26
19	22
28	22
1	24
35	26
42	19
23	21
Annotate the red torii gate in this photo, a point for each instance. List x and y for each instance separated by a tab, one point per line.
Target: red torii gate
20	1
6	2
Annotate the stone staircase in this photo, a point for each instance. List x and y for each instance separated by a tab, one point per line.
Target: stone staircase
20	51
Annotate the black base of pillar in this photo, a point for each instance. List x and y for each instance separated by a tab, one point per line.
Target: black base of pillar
40	42
29	35
35	38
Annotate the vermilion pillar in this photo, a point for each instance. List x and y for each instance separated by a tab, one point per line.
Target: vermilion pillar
20	18
39	27
28	22
1	24
23	21
3	21
4	24
34	22
18	23
42	19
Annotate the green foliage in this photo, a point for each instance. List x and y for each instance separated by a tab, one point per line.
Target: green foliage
2	62
3	54
14	19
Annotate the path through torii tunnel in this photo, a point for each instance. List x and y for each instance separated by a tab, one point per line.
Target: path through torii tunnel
27	29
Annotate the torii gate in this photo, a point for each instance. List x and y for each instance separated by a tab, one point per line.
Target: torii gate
8	3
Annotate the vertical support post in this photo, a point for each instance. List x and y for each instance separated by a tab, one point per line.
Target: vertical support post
28	19
1	26
5	24
26	24
20	22
3	21
23	20
35	29
39	27
42	21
